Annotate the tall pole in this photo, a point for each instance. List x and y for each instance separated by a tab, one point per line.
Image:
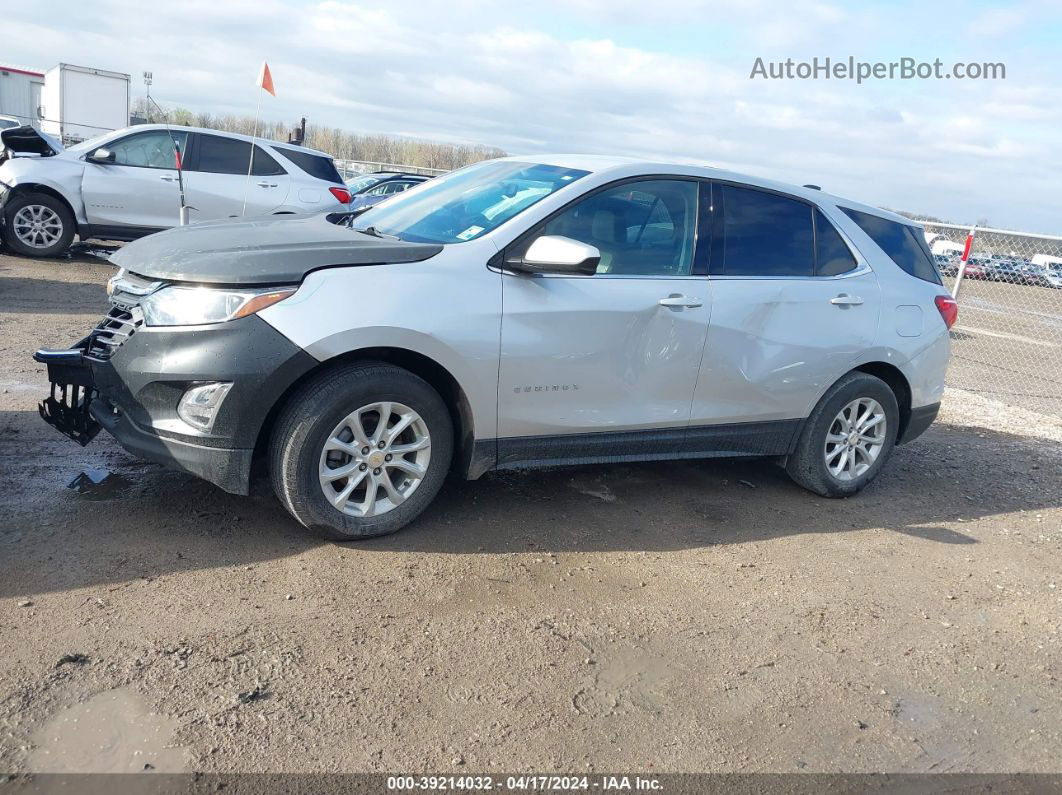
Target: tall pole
178	158
250	159
962	263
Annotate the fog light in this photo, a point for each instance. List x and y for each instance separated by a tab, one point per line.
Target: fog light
199	405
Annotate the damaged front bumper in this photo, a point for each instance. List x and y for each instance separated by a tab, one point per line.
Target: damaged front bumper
133	392
67	408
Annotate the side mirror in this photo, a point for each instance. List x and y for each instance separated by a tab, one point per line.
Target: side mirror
103	156
557	254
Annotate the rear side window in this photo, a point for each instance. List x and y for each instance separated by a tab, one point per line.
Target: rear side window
319	166
832	255
765	234
219	155
905	245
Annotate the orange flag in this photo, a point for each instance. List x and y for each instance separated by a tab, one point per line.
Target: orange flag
265	79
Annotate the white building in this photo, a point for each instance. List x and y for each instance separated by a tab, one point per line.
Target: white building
938	244
20	93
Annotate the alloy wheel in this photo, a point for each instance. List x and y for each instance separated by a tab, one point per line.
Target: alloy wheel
37	226
855	439
374	459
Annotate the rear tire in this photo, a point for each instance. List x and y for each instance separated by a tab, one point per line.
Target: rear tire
316	439
833	456
38	225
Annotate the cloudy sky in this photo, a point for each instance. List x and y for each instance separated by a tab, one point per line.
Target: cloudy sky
656	78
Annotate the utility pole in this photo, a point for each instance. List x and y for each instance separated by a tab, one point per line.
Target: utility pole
147	91
298	135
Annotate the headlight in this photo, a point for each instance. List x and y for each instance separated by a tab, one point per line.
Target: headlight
113	281
194	306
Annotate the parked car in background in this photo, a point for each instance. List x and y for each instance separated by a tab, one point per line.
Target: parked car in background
1010	271
947	264
975	269
7	122
384	190
124	185
517	313
1035	276
368	182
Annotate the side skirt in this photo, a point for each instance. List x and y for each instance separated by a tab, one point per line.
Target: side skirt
118	232
753	439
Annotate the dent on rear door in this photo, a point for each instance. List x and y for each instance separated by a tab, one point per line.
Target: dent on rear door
775	345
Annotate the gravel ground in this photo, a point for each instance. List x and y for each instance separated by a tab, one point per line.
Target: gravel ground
695	616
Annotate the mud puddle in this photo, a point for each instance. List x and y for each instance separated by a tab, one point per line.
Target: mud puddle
112	732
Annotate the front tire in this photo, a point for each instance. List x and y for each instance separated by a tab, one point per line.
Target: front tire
361	450
38	225
848	437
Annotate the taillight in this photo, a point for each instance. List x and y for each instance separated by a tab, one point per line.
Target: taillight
342	195
949	310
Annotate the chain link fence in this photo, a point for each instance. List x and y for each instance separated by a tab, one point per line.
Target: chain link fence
1007	344
355	168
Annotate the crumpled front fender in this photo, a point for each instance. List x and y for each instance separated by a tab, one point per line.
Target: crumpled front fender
50	174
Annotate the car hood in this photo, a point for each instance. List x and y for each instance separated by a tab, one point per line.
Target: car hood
279	249
26	140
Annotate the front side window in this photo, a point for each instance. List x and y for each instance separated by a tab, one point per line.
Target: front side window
765	234
905	245
467	203
218	155
642	228
388	188
153	149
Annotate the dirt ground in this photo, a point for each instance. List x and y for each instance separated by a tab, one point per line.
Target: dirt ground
694	616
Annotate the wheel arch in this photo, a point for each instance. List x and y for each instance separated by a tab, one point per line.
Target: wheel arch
435	374
40	187
897	382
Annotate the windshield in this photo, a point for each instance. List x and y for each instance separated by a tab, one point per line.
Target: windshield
358	184
465	204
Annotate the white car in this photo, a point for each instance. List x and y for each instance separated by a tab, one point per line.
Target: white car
124	185
517	313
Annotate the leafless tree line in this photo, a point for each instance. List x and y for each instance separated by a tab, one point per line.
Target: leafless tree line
339	143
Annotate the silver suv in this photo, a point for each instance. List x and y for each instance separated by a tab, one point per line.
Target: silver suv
124	185
517	313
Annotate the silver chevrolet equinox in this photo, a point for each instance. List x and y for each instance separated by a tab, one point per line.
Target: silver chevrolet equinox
521	312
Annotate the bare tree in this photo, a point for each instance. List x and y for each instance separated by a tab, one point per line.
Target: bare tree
339	143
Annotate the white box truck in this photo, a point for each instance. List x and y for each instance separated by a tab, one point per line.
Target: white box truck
79	103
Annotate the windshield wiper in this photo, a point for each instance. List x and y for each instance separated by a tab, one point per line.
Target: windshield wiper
372	230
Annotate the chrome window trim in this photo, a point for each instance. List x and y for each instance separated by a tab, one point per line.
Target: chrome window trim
860	270
626	276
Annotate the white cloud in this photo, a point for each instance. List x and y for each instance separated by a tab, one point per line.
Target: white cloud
470	70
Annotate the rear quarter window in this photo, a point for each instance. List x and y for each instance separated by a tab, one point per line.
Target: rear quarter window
904	244
319	166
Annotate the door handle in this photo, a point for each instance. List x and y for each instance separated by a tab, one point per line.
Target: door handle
168	178
677	300
264	184
846	300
